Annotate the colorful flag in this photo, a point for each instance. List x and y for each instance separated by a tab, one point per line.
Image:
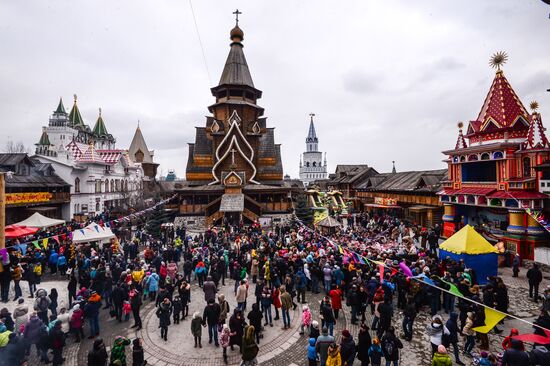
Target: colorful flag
492	318
532	338
453	289
56	238
36	244
381	270
45	243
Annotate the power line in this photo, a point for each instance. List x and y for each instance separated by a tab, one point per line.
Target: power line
200	43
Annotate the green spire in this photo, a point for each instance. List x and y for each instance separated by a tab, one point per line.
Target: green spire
44	139
99	128
60	108
75	119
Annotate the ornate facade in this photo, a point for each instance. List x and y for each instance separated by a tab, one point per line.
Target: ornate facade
312	168
493	177
234	169
101	176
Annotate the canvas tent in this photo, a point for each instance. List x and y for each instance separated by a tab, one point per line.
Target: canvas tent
91	233
477	253
40	221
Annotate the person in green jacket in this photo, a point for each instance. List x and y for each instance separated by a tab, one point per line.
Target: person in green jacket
441	358
118	352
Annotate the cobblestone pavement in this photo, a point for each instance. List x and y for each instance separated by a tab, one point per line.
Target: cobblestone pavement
278	347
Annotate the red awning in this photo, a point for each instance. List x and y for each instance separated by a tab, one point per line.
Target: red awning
481	191
16	231
519	195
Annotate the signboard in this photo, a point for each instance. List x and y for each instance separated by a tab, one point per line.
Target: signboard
385	201
27	197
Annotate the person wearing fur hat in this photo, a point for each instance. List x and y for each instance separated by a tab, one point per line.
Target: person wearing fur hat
441	358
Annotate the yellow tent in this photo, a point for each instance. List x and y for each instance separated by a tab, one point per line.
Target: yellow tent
467	241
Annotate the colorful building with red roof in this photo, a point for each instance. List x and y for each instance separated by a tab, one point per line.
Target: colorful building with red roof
493	180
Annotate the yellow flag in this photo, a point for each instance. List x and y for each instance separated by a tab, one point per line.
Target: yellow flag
45	243
492	317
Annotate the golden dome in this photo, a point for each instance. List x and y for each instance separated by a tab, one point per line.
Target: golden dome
236	34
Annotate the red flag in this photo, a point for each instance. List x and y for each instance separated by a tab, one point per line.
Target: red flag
381	270
532	338
63	236
56	239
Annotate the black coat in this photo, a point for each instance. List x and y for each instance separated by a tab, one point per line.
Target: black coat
211	314
363	346
534	275
163	313
236	326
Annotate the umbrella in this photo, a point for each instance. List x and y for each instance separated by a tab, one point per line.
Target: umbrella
16	231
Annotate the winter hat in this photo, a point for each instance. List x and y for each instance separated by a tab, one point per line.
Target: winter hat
345	333
315	324
441	349
76	307
484	354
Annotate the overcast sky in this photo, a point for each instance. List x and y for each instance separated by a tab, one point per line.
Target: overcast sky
388	80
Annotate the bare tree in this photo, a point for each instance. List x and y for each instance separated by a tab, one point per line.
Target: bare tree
16	147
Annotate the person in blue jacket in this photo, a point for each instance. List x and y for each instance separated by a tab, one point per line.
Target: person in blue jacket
52	261
62	264
312	353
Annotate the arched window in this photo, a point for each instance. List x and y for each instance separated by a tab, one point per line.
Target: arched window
112	185
314	163
485	156
307	164
106	185
77	185
498	155
526	167
97	207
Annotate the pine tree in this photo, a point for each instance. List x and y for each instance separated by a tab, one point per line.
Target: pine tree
302	210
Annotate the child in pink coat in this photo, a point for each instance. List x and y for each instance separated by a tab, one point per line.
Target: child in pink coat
306	319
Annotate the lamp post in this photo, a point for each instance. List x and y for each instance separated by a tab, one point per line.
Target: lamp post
2	210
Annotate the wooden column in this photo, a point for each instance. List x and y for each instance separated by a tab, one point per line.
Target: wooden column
2	210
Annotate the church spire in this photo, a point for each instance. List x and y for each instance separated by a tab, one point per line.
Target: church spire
460	142
75	119
311	136
536	138
393	169
60	107
100	129
235	71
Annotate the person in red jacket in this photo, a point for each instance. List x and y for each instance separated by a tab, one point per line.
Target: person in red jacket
336	300
507	342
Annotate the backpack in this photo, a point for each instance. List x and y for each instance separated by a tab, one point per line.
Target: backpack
388	346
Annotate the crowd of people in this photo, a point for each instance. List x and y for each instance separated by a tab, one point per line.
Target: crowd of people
280	270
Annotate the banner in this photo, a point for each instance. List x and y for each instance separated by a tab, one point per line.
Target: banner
27	197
